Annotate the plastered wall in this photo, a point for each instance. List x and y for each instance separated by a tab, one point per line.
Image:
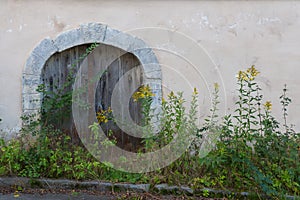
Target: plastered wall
197	43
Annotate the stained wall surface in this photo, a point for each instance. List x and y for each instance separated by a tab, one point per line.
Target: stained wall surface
196	42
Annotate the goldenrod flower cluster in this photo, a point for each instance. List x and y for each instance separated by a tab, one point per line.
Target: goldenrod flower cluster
248	75
195	91
216	86
268	105
142	93
102	115
171	95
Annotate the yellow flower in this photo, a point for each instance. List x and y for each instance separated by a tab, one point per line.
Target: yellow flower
171	94
248	75
216	86
102	115
109	110
253	71
268	105
242	76
136	96
147	91
142	93
195	91
16	194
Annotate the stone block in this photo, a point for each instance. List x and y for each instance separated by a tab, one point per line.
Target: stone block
93	32
146	56
34	65
45	48
30	83
31	101
69	39
40	54
121	40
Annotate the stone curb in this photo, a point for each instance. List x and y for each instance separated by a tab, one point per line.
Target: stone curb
166	189
71	184
100	186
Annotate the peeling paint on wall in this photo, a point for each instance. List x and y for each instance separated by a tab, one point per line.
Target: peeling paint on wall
267	20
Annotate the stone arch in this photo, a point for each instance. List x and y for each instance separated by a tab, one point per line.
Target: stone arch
86	34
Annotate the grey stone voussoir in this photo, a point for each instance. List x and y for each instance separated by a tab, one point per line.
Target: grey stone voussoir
30	83
93	32
69	39
123	40
40	54
31	101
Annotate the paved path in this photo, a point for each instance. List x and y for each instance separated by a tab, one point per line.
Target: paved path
55	197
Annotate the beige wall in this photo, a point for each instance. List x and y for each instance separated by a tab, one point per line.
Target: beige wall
232	35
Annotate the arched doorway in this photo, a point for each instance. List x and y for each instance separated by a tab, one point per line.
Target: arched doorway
48	63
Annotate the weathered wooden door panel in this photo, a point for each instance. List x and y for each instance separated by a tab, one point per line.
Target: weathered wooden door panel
60	65
108	83
55	76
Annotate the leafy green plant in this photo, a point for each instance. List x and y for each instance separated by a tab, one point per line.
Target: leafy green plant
251	150
251	142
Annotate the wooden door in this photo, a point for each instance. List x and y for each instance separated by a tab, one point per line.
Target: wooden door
55	78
